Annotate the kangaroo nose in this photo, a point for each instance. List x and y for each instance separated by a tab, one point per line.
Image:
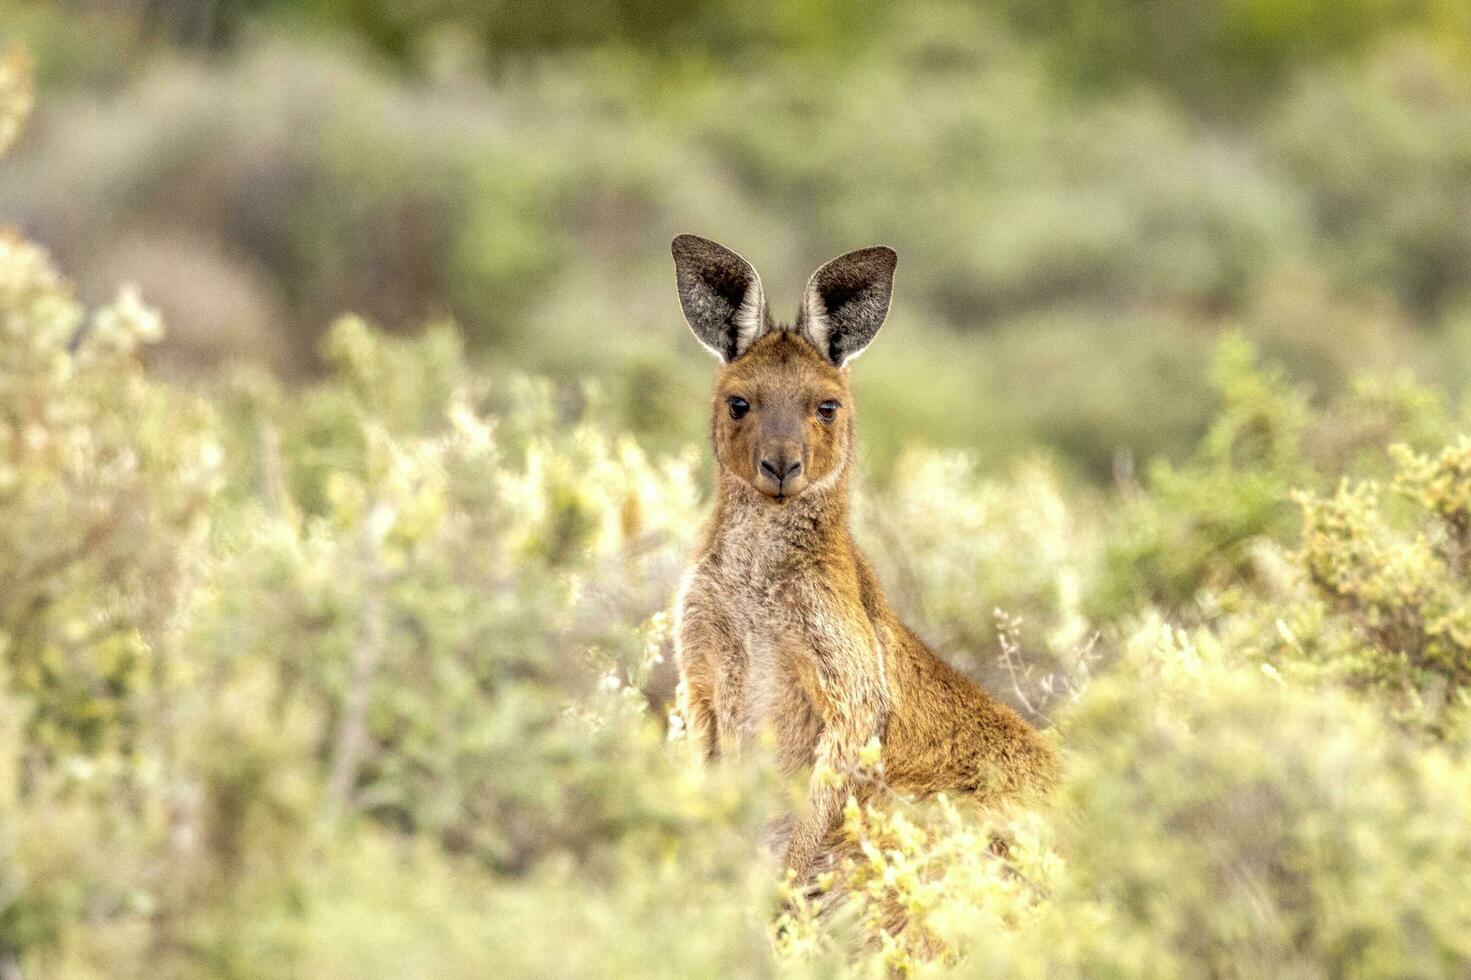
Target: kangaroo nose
780	469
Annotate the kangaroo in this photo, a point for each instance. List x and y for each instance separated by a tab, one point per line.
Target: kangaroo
780	621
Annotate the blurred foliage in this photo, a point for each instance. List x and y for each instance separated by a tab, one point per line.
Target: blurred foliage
365	672
1218	55
711	30
1067	255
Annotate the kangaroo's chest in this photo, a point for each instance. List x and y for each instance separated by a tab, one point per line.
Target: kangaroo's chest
764	631
760	687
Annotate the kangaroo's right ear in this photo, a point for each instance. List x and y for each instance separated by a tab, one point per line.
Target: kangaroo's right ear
720	294
847	301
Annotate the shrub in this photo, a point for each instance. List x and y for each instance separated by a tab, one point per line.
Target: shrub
1376	596
1225	823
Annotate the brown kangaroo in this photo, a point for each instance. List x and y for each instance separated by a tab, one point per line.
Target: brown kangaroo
780	620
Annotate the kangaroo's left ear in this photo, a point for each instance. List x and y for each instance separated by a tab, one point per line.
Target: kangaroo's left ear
846	302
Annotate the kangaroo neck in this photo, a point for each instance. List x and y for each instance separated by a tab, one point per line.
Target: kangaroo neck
748	523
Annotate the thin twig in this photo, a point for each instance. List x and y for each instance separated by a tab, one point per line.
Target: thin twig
352	731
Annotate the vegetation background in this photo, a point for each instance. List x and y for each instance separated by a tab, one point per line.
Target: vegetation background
346	476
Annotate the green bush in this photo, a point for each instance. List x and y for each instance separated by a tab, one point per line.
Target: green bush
1383	157
1216	56
1221	822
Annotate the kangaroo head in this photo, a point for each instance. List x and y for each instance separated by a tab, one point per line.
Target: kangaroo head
782	415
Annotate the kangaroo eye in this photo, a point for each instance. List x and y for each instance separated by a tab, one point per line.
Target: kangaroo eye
827	411
738	406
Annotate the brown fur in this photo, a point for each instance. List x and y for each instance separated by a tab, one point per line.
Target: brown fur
782	623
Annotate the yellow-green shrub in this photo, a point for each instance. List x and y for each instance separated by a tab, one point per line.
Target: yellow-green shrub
1377	595
105	487
1222	822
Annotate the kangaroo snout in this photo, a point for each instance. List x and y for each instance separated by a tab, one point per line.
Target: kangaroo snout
781	473
780	469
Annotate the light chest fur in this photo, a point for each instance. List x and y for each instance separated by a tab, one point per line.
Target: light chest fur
754	585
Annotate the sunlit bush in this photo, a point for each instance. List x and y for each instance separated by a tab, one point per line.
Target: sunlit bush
104	497
1222	822
1376	594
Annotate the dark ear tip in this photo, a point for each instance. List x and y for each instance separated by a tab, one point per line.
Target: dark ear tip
689	244
878	260
882	254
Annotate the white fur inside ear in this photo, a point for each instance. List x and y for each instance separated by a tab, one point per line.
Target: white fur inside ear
847	359
750	318
814	321
847	301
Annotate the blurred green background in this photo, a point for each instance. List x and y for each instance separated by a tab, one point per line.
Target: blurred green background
1083	193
